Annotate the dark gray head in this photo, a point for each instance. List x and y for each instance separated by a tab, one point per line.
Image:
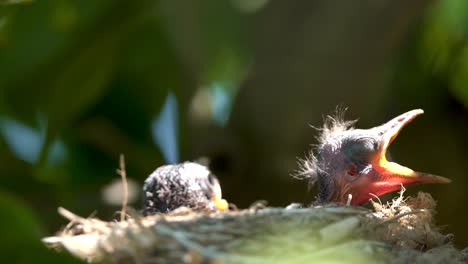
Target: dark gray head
352	162
188	184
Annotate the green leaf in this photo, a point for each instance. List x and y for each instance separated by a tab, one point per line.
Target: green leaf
21	233
82	81
211	36
459	78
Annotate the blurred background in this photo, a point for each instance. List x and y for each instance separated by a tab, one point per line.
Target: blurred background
237	81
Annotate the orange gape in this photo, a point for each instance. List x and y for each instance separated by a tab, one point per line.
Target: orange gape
351	163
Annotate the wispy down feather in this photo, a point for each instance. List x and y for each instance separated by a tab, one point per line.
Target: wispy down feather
333	125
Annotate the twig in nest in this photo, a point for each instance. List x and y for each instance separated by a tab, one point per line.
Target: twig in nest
376	197
69	215
396	203
396	217
350	198
121	171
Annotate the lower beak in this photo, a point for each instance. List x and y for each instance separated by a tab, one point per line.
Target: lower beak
390	174
221	204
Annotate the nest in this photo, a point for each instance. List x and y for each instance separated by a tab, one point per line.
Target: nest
401	231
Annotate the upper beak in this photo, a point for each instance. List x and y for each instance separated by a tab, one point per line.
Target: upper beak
391	174
221	204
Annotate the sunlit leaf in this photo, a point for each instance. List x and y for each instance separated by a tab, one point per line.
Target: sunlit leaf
165	130
27	142
221	100
24	141
57	152
443	34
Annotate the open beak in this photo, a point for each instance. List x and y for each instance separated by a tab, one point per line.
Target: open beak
391	175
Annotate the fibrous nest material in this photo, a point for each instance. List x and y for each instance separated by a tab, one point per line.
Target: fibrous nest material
401	231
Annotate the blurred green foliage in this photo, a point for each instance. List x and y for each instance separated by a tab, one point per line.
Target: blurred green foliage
83	81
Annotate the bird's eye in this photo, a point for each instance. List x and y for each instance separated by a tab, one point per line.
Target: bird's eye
352	171
211	179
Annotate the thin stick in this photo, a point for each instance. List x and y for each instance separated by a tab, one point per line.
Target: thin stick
69	215
376	197
396	217
350	198
121	171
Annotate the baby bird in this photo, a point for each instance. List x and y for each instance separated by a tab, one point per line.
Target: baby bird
350	165
182	185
